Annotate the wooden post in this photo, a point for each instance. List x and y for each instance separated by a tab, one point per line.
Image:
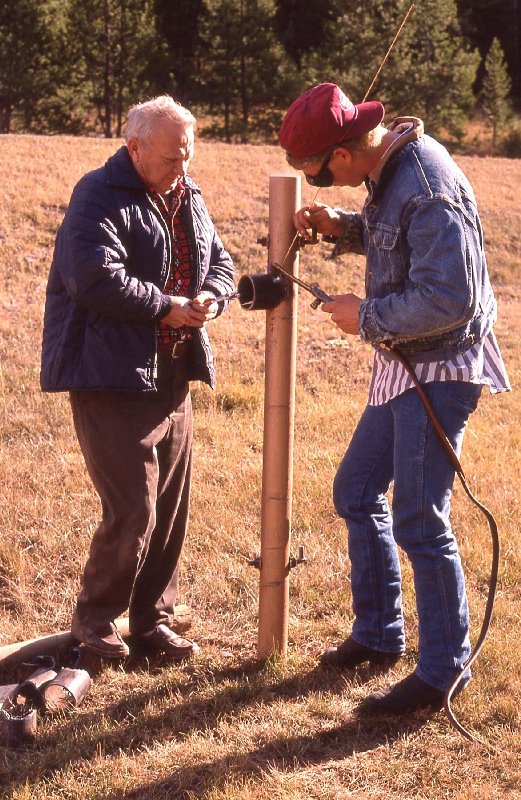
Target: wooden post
279	405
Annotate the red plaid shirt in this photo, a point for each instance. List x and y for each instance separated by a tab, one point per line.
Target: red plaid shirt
180	276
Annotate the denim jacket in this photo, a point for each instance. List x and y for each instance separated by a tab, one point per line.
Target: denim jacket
427	284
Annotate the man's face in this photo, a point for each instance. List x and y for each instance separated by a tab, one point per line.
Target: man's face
165	157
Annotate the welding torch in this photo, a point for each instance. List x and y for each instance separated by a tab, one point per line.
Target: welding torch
313	288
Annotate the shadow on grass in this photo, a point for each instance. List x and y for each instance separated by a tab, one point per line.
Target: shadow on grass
285	754
134	727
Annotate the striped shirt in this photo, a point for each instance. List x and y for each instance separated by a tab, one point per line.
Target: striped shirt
482	364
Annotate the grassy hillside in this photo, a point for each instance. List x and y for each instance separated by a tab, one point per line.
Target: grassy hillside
227	726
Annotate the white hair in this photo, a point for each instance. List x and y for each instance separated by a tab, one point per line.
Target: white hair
143	117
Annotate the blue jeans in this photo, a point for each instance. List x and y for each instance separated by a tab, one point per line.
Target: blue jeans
396	442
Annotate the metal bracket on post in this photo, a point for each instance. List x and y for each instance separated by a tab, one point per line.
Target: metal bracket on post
293	562
302	242
301	559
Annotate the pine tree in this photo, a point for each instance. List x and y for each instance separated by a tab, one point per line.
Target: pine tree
496	88
245	71
429	73
300	25
25	48
485	20
179	22
110	44
440	69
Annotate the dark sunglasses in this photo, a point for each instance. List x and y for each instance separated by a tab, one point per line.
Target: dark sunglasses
324	176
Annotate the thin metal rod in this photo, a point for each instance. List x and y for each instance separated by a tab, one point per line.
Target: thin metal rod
297	233
366	95
311	288
386	56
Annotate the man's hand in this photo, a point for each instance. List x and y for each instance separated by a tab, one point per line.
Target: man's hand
206	302
320	216
344	310
191	313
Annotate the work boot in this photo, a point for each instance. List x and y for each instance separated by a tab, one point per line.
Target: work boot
410	694
103	638
163	641
351	654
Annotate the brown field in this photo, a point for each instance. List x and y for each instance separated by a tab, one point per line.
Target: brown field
227	726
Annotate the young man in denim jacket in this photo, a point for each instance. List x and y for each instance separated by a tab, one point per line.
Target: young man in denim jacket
428	293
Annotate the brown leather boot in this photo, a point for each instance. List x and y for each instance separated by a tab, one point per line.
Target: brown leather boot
163	641
103	639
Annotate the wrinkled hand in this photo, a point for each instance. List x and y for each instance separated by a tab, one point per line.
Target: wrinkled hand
191	313
344	310
206	301
325	219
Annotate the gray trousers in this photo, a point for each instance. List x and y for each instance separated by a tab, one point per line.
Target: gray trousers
137	449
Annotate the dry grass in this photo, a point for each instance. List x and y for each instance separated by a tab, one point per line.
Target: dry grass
228	727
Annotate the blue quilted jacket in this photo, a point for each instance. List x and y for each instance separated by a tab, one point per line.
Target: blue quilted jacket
105	289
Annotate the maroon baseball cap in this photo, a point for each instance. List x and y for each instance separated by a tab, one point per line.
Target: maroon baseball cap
322	117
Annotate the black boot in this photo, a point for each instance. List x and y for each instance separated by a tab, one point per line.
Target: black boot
410	694
350	654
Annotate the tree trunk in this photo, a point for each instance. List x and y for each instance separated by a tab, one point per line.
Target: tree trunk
516	55
227	136
6	110
120	70
245	106
227	100
494	136
107	89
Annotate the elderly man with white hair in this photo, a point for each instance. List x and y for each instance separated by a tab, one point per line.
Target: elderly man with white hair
136	269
